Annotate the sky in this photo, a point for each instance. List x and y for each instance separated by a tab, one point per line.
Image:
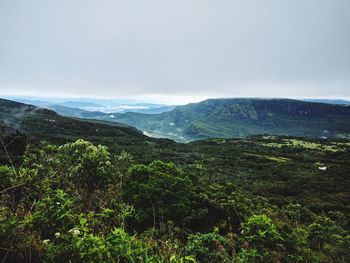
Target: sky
175	51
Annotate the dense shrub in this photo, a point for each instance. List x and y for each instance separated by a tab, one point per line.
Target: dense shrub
209	247
159	192
79	203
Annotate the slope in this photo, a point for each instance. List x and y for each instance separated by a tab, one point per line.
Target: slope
43	124
228	118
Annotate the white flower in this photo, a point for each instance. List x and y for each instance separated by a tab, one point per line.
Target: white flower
74	231
46	241
58	203
57	234
323	168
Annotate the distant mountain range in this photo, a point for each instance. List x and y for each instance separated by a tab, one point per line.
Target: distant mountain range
94	105
227	118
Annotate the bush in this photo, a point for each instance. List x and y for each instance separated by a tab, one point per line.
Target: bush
55	212
261	234
159	192
209	247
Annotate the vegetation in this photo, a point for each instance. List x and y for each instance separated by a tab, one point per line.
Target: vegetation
215	118
124	197
228	118
79	202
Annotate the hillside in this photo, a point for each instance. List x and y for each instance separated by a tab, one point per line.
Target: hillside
329	101
236	118
221	158
256	199
43	124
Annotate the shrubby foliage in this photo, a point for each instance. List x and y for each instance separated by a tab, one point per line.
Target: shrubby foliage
80	203
209	247
159	192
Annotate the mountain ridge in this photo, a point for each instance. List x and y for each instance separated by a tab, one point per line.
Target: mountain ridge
40	124
223	118
240	117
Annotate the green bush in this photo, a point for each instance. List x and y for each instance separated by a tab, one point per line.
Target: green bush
159	192
208	247
260	233
79	203
55	212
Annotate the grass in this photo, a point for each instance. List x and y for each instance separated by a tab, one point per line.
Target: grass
297	143
271	158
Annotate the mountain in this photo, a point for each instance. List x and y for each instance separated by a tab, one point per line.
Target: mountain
97	106
228	118
329	101
147	108
98	115
44	124
217	118
79	104
36	102
156	109
77	112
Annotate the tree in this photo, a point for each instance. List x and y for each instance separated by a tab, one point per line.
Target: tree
159	192
83	170
327	237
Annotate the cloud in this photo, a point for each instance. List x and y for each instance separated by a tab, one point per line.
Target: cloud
183	48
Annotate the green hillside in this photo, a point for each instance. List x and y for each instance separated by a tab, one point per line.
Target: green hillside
138	199
42	124
232	118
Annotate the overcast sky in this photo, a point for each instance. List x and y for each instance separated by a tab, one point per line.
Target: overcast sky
175	50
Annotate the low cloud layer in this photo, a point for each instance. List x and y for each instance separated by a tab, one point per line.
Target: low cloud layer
185	48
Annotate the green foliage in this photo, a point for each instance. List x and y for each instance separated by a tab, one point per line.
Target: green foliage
126	247
159	192
328	238
248	255
7	177
260	233
208	247
82	203
89	166
53	213
240	117
82	245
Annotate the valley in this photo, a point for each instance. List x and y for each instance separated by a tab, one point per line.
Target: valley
233	179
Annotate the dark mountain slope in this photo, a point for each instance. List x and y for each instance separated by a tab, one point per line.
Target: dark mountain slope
43	124
244	117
